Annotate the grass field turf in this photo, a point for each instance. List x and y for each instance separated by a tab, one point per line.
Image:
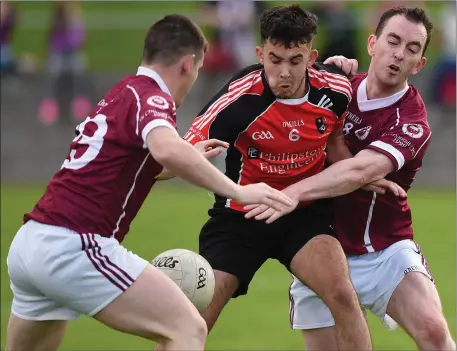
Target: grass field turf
172	217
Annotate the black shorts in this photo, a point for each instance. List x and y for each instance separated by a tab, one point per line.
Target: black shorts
240	246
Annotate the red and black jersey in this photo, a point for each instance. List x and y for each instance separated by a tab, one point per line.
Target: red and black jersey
275	141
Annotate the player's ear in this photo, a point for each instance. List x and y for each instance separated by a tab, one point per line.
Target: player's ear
187	62
313	54
371	44
259	53
419	65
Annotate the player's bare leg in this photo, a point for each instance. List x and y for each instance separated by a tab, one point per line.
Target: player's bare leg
24	335
426	325
225	286
156	309
320	339
321	264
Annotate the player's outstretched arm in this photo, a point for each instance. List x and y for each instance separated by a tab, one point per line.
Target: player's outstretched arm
341	178
337	150
184	160
346	176
208	148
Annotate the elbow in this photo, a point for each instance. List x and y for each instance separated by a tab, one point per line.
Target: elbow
163	156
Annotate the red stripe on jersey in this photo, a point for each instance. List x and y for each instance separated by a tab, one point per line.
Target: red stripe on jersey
235	91
226	99
234	87
321	82
338	83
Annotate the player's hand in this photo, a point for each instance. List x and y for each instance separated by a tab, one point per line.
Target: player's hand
382	186
348	66
211	148
263	194
262	212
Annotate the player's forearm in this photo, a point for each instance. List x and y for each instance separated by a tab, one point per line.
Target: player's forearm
182	159
339	179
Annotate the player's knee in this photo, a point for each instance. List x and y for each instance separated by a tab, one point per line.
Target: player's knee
432	329
195	331
341	296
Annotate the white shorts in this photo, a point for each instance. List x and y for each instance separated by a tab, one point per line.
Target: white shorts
58	274
375	277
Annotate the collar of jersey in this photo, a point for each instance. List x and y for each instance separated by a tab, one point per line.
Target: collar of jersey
375	104
144	71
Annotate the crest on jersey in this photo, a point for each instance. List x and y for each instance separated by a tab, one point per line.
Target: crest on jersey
413	130
158	101
320	125
362	133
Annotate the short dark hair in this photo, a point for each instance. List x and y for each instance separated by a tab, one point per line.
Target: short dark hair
172	37
288	25
415	15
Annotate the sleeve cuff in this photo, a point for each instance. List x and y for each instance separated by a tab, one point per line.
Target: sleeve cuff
396	156
154	124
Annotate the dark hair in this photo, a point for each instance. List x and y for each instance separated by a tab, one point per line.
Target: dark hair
171	38
415	15
288	25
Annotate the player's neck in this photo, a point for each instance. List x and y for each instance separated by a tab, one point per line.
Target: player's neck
377	90
167	76
301	91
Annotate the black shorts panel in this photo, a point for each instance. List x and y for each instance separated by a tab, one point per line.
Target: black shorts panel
304	224
231	244
239	246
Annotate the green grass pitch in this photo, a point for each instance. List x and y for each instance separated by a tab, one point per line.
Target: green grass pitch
172	217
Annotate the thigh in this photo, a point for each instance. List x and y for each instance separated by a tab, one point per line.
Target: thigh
25	335
322	339
416	288
153	308
387	269
234	245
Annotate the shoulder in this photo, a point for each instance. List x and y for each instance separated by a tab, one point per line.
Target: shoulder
145	91
330	88
332	79
238	93
411	108
245	79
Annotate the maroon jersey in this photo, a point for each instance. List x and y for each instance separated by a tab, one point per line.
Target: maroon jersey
278	142
397	127
109	171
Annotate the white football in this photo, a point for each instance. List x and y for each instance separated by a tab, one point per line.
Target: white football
191	272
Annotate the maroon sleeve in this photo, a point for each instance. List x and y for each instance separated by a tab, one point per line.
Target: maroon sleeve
405	138
149	110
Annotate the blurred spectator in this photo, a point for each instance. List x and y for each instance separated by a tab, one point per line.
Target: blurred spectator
233	36
444	87
340	26
7	25
65	55
231	28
